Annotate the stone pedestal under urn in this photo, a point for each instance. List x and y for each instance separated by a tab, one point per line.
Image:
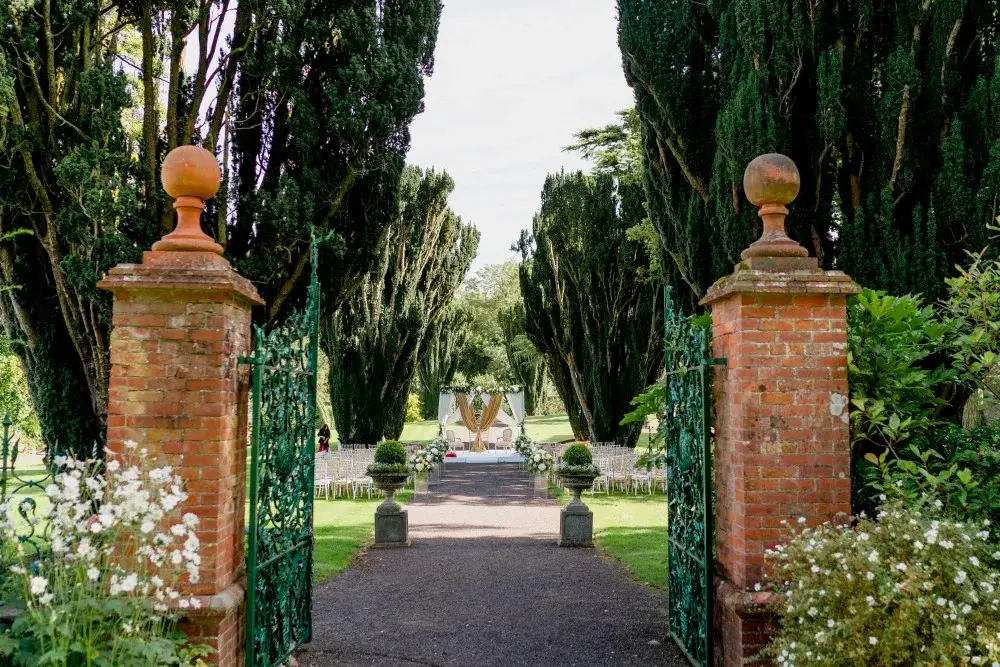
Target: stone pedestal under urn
576	521
391	520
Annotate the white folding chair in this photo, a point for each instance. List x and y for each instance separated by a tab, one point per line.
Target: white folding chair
322	480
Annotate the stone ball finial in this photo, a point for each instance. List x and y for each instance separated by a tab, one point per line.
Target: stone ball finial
771	179
190	171
190	174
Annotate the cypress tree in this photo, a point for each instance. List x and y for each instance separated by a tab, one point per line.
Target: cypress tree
313	98
443	345
527	365
890	110
597	320
375	338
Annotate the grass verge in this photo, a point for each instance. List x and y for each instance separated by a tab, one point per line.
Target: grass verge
633	531
343	527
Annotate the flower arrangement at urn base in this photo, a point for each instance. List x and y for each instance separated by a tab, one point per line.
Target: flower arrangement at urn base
576	521
389	473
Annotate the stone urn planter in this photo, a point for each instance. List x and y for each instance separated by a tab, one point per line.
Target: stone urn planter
576	521
577	472
389	473
391	523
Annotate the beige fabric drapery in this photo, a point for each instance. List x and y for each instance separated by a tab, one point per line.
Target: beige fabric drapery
477	426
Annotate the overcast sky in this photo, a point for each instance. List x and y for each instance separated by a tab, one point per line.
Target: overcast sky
513	80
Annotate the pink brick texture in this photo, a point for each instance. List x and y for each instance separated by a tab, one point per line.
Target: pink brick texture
181	321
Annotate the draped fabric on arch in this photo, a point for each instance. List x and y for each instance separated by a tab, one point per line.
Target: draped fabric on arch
468	414
486	420
477	426
516	402
444	409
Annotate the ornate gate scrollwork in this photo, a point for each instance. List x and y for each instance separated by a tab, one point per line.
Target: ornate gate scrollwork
280	541
687	431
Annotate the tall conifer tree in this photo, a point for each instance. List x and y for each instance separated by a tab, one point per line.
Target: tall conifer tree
374	339
891	110
597	319
310	98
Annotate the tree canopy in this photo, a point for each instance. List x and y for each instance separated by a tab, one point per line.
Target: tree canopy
309	100
596	319
890	110
375	338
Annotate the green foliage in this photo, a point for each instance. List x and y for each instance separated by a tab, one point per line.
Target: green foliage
527	365
444	346
915	588
577	455
413	408
595	318
310	99
484	296
377	334
889	110
390	452
973	304
959	468
892	343
15	400
326	92
895	375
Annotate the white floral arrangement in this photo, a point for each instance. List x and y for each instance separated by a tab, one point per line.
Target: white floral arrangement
540	462
437	449
421	461
913	588
86	597
524	445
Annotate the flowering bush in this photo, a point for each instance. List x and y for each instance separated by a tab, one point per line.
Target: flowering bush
539	461
105	594
912	589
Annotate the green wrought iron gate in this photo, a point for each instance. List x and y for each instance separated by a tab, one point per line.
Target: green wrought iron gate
280	541
687	432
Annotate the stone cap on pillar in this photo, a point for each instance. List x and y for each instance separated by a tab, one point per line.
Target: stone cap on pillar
776	263
186	259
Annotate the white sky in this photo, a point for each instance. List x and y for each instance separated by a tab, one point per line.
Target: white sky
513	81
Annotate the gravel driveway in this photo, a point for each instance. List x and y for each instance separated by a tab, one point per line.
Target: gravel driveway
485	584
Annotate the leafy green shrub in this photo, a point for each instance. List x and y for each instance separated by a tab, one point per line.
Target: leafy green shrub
913	589
577	455
959	467
973	306
391	452
895	379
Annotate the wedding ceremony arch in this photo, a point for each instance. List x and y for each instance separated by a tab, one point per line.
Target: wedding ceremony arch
457	409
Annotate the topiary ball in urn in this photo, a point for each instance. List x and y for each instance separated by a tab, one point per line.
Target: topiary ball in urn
389	473
576	521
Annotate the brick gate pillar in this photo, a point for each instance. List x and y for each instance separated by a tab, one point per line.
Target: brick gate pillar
782	446
181	320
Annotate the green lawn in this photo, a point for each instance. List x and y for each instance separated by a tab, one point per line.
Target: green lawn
547	428
342	528
632	530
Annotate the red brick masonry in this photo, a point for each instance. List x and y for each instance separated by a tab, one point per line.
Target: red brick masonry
181	321
782	445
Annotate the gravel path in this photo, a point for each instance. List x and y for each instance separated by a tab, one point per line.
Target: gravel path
485	584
